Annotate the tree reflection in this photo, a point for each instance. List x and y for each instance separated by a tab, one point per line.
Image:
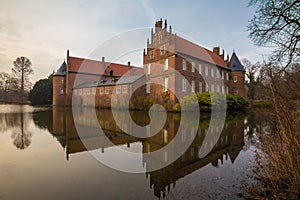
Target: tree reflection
22	138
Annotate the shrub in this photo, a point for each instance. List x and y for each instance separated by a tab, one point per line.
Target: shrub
176	107
236	102
142	103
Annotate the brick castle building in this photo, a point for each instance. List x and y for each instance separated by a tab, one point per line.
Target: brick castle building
170	64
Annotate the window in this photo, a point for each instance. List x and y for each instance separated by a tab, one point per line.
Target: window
93	90
106	90
183	84
61	91
152	54
206	70
218	88
200	86
124	89
166	64
88	91
206	87
227	76
193	86
193	67
148	87
212	87
218	73
235	79
149	68
118	89
200	68
165	84
80	91
222	75
162	50
223	89
101	90
212	72
84	91
62	80
227	90
183	64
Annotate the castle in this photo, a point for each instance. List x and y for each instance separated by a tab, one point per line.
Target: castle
166	56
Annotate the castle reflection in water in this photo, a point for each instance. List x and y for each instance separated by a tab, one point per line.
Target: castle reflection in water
228	145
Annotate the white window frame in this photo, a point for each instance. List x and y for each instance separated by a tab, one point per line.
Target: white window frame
206	70
93	91
183	84
222	75
206	87
118	89
234	79
88	91
193	86
80	92
101	90
212	72
84	91
166	81
149	68
107	90
227	76
200	68
212	87
200	86
148	87
61	91
124	89
166	64
183	64
193	67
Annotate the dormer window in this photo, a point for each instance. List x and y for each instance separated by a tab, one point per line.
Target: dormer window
152	54
162	50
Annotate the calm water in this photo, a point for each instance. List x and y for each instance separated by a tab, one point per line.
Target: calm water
43	157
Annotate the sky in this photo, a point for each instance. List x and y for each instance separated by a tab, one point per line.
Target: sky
44	30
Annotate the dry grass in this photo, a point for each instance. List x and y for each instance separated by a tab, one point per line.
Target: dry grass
278	163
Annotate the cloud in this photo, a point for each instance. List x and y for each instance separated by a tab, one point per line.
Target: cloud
44	30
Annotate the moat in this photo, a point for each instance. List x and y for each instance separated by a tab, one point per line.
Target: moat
44	157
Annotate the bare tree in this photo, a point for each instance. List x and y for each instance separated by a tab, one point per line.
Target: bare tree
22	69
277	24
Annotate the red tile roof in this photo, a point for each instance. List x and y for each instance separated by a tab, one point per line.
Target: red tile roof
97	67
186	47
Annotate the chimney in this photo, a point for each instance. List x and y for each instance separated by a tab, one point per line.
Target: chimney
111	72
222	55
216	50
166	25
227	59
158	25
103	59
128	63
170	29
